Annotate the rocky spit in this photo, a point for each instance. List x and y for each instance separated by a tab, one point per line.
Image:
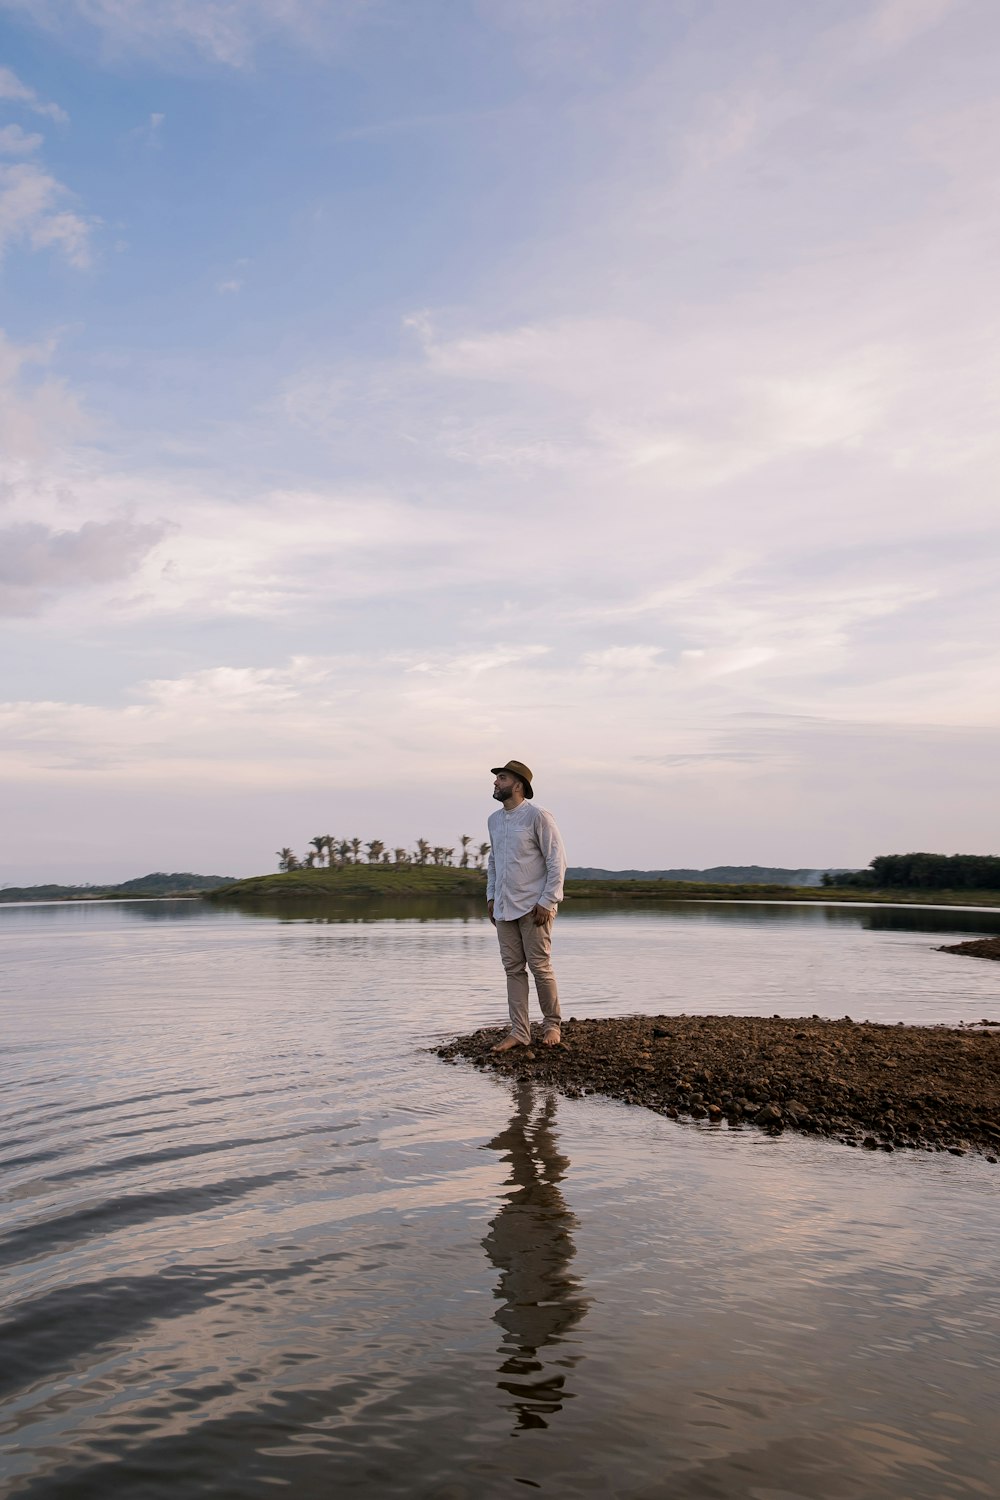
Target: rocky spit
988	947
872	1086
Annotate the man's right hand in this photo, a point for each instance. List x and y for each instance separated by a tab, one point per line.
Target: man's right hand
489	908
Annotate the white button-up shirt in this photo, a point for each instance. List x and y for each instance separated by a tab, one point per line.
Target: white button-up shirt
527	863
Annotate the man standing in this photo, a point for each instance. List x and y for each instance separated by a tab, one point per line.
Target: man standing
523	886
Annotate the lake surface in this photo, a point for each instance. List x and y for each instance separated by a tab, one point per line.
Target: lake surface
257	1236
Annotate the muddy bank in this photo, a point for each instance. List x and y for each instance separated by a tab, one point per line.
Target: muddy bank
879	1087
988	947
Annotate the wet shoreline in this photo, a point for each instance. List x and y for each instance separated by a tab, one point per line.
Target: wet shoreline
874	1086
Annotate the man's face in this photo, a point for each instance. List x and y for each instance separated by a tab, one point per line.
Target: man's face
503	785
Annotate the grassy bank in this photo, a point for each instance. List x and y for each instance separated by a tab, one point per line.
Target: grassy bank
345	881
670	890
445	880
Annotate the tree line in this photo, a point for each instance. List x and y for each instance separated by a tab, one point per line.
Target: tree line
925	872
328	851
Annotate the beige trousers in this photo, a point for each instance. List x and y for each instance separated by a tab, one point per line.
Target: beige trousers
524	946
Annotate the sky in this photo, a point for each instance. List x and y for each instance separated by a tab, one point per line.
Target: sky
392	387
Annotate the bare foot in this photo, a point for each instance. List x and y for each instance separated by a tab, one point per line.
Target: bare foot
507	1043
550	1039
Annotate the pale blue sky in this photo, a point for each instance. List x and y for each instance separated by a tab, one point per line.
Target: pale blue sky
389	388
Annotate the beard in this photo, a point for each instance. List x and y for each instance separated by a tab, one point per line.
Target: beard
500	796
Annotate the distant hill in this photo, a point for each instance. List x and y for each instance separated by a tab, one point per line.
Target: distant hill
149	886
159	884
717	875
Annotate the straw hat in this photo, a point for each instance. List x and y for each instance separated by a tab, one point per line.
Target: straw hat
519	769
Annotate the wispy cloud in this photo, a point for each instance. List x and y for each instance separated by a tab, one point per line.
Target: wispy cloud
17	92
227	32
17	142
150	133
31	211
891	25
39	415
35	208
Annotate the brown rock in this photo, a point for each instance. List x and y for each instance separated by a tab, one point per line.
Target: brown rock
926	1087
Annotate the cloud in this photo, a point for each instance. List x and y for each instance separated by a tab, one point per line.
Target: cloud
150	132
687	483
258	555
603	399
12	89
38	416
16	142
619	660
31	211
346	718
471	664
783	340
37	563
348	722
224	31
892	25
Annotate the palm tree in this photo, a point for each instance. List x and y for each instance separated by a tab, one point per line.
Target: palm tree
319	844
401	856
330	845
287	860
310	859
343	852
484	850
465	839
355	851
447	856
423	849
374	851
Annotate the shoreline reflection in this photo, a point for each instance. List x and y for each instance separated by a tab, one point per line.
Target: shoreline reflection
530	1242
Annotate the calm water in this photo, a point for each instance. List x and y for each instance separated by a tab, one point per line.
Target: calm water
256	1237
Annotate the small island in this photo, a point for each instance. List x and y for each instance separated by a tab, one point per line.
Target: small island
334	868
348	882
928	1088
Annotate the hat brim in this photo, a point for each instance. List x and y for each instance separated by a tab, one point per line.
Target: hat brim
495	771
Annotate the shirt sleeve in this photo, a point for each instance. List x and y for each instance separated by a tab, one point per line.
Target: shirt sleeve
554	855
491	875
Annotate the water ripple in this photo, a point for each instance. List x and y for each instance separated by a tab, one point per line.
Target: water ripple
114	1214
256	1236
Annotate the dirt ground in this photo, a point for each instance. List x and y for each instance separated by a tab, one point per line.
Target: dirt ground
877	1087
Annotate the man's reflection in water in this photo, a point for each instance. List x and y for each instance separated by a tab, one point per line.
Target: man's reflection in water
531	1244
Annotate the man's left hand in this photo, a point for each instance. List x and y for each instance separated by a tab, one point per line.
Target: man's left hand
542	915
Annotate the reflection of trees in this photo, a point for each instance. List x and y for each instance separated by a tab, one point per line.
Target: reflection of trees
531	1244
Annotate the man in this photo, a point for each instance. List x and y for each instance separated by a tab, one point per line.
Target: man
523	887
